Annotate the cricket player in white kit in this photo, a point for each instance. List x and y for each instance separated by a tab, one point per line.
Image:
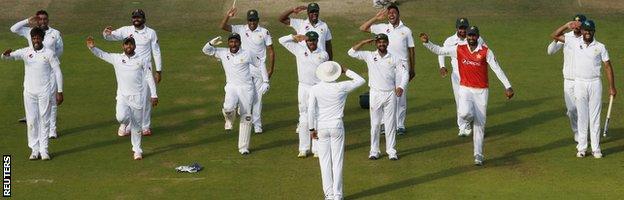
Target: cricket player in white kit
589	54
461	24
43	81
52	41
325	111
132	71
402	46
257	41
312	23
383	69
239	87
146	47
568	73
308	57
473	61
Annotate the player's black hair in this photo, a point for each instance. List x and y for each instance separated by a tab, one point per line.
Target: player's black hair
129	40
37	32
394	6
42	12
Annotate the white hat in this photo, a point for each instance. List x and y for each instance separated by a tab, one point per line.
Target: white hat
328	71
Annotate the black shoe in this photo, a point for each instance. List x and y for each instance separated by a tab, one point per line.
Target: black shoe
22	120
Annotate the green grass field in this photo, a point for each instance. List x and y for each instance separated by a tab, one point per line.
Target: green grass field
530	153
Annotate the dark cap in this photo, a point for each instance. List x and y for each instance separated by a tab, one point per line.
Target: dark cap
580	17
462	22
312	35
473	30
234	36
129	40
313	7
381	36
588	25
252	15
138	13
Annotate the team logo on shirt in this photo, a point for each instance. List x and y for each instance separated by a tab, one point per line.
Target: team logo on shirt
307	27
30	55
387	30
305	53
479	56
228	57
375	58
123	61
246	34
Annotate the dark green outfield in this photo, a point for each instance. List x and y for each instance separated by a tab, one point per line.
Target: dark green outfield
530	153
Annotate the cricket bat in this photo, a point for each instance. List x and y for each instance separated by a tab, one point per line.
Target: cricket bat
606	126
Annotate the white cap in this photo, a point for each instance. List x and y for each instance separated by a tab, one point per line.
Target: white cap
328	71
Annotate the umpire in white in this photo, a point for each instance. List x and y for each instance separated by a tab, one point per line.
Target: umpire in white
326	104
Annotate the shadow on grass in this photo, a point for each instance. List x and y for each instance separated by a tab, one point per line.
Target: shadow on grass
451	122
508	159
493	133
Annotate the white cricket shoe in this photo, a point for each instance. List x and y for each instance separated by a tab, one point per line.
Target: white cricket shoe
45	156
121	132
478	161
597	154
258	130
137	156
580	154
373	156
244	152
302	154
316	155
34	156
52	135
393	157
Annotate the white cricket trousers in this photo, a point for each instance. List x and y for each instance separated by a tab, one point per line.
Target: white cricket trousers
331	155
570	103
383	110
53	109
129	111
304	132
146	121
401	106
472	106
455	86
256	110
38	108
241	95
588	95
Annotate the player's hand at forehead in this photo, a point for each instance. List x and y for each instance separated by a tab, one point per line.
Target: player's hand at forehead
298	9
573	24
300	38
33	21
90	42
423	37
381	15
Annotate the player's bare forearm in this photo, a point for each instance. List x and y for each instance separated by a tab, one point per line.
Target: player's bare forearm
328	49
271	61
366	26
610	78
224	24
361	43
284	18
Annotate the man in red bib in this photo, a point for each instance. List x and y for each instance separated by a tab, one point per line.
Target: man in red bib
473	60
